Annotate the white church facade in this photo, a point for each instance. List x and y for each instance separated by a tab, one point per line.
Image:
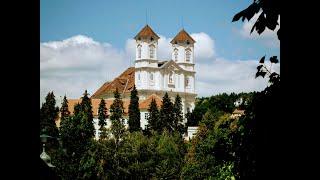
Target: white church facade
152	77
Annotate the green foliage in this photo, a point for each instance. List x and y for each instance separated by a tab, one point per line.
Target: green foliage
102	114
153	119
64	110
48	115
87	120
178	116
116	108
117	127
169	156
166	113
270	12
134	111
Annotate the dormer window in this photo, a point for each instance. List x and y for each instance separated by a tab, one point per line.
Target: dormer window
151	39
188	55
139	51
151	51
175	55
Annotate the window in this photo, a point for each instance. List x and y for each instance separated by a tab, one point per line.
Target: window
151	49
187	82
139	76
139	51
188	55
176	55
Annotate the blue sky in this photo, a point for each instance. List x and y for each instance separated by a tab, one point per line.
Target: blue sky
116	21
86	43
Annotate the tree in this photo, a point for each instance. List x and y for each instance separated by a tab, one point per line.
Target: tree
169	157
117	129
87	120
253	138
48	115
64	110
134	111
116	109
178	115
269	13
153	119
102	114
166	113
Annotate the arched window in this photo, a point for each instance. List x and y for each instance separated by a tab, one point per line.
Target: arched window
187	82
151	51
139	51
175	55
188	55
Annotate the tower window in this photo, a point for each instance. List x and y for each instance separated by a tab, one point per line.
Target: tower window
139	51
151	49
188	55
187	82
176	55
139	77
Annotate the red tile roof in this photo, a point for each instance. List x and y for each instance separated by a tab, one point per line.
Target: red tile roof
146	32
182	37
145	104
120	82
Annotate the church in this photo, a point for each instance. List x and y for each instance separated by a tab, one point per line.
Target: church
152	77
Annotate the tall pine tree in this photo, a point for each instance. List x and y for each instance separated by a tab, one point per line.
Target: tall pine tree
48	115
102	116
87	120
134	111
166	113
178	115
153	119
64	110
116	110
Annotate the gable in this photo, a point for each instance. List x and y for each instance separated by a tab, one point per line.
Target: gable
172	66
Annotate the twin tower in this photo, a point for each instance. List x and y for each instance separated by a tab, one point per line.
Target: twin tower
182	47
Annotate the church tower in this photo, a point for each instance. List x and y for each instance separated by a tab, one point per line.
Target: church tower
146	59
183	50
146	44
183	55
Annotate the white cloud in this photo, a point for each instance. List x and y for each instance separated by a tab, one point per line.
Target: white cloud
78	63
204	46
268	37
229	76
